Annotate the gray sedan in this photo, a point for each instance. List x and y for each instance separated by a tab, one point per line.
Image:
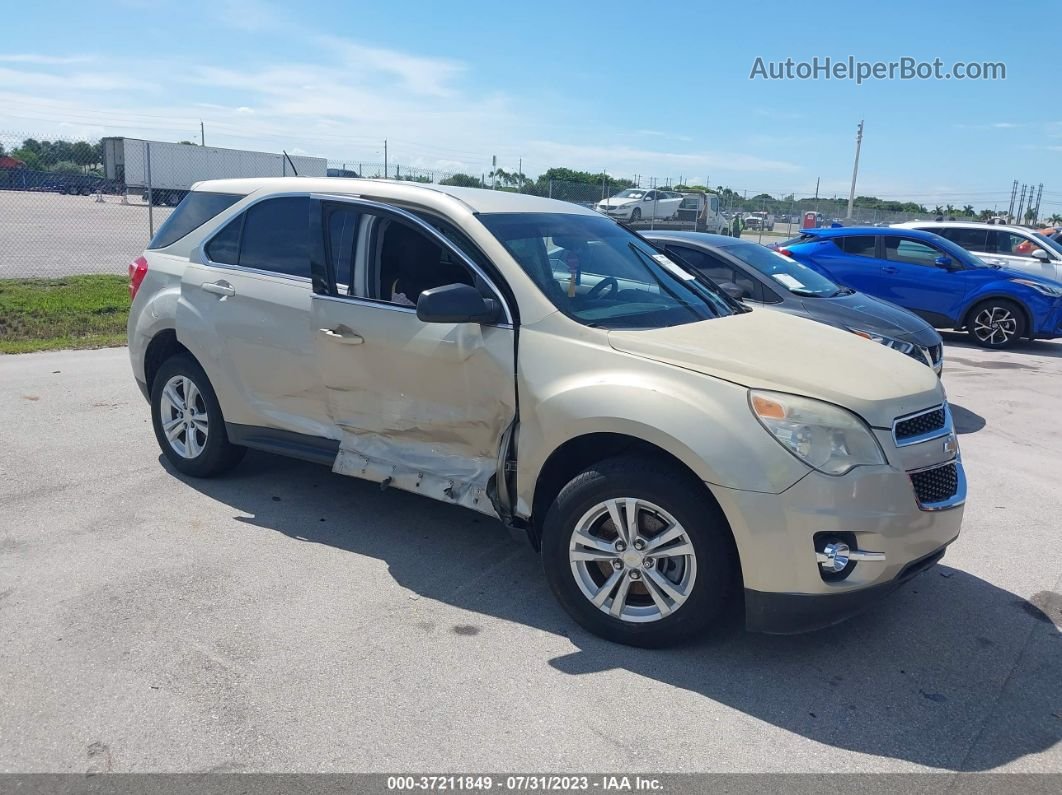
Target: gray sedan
760	276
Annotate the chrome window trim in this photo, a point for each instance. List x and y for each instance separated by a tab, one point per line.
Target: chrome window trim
947	428
427	229
378	304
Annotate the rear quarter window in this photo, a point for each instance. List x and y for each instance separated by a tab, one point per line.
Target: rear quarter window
195	209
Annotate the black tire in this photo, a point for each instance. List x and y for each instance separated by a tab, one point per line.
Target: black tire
636	214
218	454
996	323
685	499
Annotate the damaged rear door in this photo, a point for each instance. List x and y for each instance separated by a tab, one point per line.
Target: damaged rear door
424	407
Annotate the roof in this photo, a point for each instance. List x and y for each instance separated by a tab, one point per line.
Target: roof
693	237
6	161
478	200
962	225
844	231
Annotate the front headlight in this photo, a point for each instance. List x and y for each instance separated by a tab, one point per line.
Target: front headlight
1043	289
881	339
822	435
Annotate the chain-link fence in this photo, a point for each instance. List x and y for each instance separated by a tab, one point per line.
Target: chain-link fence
70	207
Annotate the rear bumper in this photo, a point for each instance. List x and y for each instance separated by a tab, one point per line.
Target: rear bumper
793	613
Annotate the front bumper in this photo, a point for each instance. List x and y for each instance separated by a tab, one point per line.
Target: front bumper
873	509
789	614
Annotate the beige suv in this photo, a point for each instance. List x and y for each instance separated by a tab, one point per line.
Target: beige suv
669	451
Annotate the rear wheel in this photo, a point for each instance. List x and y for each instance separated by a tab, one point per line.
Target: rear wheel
187	419
638	553
996	323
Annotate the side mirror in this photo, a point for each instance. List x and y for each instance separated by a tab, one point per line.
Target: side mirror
456	303
1041	255
733	290
944	262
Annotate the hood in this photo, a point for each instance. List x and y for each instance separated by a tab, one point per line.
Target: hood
861	311
775	350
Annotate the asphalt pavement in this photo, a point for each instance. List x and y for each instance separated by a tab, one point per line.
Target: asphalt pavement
287	619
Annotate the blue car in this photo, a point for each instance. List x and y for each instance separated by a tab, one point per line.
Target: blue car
936	279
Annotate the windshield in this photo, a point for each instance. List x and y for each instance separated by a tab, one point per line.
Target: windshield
596	272
787	272
629	194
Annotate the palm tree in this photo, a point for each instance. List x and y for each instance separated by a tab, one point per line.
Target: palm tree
938	210
968	209
1055	219
985	215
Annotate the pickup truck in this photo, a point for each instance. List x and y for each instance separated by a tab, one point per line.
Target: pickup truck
665	449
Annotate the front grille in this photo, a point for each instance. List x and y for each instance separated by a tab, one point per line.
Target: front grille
916	354
921	424
936	485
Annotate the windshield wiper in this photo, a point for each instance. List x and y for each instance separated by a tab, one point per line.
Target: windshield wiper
646	258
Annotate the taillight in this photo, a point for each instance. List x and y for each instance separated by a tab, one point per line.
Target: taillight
137	272
785	252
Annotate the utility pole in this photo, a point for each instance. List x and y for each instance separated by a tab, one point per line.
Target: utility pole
855	168
385	158
202	134
494	172
1021	204
1013	197
1039	195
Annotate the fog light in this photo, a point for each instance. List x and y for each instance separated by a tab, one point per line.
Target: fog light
834	558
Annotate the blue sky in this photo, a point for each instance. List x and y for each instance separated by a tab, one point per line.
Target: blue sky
657	89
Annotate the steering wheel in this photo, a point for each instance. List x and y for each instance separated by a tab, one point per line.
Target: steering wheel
607	283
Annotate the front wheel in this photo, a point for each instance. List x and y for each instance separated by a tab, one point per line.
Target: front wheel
187	419
639	553
996	323
636	214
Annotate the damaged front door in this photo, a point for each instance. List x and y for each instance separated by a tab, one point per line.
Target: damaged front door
419	406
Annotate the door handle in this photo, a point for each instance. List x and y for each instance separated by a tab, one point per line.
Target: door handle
343	335
219	288
888	269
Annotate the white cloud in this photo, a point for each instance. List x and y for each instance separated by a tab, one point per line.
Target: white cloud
45	60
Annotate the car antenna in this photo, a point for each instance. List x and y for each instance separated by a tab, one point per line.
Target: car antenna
290	163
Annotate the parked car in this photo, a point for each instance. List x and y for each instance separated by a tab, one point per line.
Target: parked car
659	443
1013	247
936	279
764	278
634	204
760	220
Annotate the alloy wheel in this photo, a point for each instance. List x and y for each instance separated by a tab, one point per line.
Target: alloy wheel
995	325
632	560
184	416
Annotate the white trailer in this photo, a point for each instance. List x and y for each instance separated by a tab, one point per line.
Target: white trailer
165	171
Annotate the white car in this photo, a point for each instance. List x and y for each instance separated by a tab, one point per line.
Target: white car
760	220
636	204
1013	247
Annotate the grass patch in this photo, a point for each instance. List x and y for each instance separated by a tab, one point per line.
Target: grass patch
72	312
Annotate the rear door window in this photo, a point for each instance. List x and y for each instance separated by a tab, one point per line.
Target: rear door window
969	239
276	236
195	209
224	247
857	245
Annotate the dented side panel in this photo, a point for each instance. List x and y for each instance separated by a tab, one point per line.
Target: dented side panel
418	406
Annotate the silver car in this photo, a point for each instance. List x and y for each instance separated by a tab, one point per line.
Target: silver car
1013	247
